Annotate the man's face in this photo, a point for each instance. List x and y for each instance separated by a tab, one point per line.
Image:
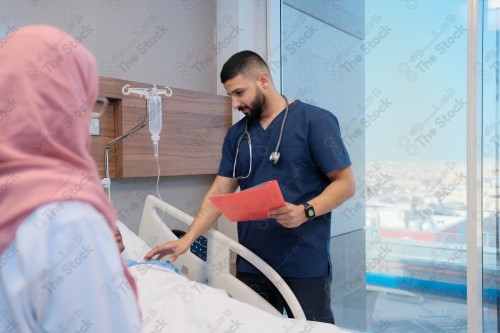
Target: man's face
246	96
256	106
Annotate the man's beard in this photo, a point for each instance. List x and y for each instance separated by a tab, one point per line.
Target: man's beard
257	107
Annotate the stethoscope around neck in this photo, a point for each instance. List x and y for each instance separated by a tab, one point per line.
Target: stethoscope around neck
275	155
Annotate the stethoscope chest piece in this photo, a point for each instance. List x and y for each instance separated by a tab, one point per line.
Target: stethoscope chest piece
274	157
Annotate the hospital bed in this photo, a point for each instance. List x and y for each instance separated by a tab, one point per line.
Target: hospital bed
208	263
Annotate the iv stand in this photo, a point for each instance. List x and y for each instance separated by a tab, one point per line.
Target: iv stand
144	92
106	182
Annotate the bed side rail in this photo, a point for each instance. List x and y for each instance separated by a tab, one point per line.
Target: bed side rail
215	270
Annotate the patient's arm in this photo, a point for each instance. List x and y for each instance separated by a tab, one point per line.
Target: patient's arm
204	219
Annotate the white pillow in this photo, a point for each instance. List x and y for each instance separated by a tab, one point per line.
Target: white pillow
135	247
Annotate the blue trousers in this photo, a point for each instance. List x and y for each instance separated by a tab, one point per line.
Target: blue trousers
312	293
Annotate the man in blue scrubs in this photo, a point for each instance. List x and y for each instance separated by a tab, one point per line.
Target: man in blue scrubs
300	146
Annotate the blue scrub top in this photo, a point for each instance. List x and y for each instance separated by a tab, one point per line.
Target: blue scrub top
310	148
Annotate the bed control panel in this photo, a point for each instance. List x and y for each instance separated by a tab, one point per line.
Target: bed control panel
199	248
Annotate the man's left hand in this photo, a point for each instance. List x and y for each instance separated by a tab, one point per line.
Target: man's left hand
290	216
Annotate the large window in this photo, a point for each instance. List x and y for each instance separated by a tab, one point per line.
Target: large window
395	74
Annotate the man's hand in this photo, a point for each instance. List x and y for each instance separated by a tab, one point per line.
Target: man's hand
342	186
290	216
175	248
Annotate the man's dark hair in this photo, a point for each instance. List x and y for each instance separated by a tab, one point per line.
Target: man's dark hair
244	62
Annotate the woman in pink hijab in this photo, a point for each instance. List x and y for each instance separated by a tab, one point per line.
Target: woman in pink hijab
60	269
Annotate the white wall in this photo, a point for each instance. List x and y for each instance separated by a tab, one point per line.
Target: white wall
180	43
149	41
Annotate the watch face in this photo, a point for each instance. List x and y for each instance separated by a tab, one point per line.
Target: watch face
310	214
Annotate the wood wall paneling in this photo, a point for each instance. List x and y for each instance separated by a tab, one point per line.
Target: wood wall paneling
194	126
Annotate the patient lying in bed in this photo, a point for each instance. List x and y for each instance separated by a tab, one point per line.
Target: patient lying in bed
172	303
131	262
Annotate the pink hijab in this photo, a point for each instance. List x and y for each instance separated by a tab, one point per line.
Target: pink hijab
48	86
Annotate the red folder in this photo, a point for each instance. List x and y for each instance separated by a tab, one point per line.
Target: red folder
250	204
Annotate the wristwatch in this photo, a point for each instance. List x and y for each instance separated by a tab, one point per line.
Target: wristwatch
309	210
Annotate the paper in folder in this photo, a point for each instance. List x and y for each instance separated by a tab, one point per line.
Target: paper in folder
250	204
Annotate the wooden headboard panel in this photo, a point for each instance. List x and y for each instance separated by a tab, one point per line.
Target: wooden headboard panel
194	126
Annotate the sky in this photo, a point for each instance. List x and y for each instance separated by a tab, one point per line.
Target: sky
418	67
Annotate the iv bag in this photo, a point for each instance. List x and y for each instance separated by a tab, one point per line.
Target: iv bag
155	116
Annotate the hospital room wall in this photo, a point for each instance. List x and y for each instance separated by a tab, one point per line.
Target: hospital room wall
164	42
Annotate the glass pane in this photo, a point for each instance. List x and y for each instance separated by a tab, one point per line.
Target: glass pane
491	178
416	175
397	84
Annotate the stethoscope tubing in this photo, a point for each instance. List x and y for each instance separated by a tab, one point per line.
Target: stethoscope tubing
275	155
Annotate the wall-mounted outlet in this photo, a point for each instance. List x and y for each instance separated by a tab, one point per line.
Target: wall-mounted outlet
94	127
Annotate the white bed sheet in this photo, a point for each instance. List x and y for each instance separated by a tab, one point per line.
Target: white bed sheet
172	303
